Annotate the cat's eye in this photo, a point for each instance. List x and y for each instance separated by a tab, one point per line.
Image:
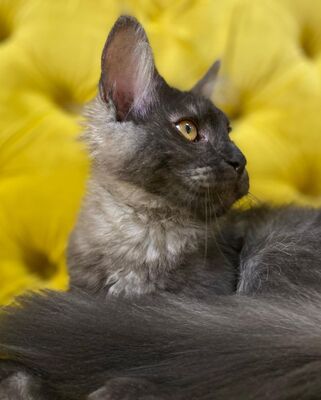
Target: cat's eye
188	129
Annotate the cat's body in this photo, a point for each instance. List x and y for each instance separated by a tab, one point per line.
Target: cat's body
239	251
172	296
134	251
262	342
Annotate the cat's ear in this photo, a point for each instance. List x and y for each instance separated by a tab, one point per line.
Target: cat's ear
205	86
128	73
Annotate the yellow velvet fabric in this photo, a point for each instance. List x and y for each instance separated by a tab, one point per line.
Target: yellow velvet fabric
270	85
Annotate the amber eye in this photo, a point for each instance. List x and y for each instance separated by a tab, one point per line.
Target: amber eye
187	129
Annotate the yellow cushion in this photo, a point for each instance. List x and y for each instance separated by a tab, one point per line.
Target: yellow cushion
270	86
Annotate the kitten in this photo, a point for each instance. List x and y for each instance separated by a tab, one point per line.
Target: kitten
163	169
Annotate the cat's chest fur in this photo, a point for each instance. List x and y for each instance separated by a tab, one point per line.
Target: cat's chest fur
131	250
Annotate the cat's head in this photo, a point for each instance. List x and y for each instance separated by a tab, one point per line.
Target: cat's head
169	143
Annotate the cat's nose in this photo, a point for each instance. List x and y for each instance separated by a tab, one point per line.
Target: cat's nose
236	160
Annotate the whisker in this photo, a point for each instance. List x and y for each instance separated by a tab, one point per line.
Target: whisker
218	231
206	229
224	208
254	198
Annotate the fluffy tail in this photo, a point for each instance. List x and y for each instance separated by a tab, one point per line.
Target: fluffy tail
234	348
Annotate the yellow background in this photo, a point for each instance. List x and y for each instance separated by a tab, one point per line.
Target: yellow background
270	85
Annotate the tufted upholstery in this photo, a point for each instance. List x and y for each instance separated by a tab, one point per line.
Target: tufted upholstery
49	64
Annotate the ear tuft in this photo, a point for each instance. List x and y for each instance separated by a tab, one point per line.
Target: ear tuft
128	73
205	86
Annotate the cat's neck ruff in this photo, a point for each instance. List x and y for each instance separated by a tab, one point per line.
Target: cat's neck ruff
141	238
133	200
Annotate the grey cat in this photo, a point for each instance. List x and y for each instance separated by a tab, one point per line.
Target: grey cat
202	302
163	169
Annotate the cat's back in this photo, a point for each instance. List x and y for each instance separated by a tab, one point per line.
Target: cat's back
281	248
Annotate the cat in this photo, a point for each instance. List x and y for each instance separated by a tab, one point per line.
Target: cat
163	169
155	216
202	302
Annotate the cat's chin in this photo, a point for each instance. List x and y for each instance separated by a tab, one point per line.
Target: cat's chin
242	185
208	209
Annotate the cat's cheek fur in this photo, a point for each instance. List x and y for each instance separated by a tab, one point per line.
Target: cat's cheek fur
105	136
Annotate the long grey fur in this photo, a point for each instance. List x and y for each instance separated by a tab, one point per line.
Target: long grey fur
236	347
149	228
